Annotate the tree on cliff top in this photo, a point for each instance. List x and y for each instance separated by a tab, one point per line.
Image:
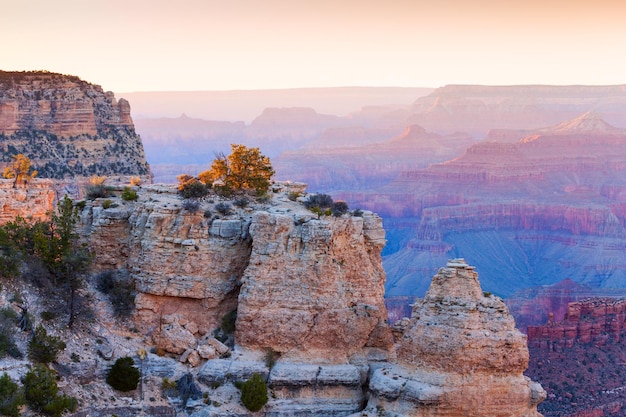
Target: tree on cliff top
244	169
20	169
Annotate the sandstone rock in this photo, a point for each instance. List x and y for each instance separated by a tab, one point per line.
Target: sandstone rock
174	338
306	283
207	352
460	355
194	359
79	128
228	370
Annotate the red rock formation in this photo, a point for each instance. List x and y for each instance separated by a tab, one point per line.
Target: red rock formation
460	355
67	126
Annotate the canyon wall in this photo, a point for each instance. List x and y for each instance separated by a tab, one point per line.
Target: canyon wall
579	359
67	126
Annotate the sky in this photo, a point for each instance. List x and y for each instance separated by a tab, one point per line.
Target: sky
191	45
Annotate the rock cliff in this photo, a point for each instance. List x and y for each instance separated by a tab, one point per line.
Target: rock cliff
460	355
304	297
67	126
554	197
579	359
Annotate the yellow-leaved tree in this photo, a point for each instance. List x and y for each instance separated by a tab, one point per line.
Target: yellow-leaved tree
19	169
244	169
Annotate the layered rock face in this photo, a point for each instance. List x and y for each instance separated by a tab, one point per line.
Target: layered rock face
32	202
67	126
306	284
579	359
297	282
542	209
460	355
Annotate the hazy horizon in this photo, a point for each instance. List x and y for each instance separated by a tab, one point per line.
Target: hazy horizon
205	45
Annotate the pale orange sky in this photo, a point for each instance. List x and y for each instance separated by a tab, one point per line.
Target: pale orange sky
167	45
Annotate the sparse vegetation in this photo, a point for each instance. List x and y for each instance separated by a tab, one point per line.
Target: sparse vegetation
191	187
320	204
120	290
293	195
96	188
123	375
254	393
339	208
223	208
191	205
19	170
11	397
41	392
244	169
135	181
129	195
44	348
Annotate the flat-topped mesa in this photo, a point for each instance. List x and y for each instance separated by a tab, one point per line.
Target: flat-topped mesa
460	355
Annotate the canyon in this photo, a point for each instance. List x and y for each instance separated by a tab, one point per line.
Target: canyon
307	290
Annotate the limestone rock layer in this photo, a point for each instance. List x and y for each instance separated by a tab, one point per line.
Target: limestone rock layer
460	355
67	126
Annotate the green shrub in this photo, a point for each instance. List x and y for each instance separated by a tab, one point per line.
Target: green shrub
254	393
241	202
11	397
190	187
106	204
191	205
8	347
129	195
339	208
123	375
41	392
43	348
223	208
119	289
293	195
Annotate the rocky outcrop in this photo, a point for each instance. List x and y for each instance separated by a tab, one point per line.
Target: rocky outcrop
67	126
34	201
460	355
297	282
594	320
578	359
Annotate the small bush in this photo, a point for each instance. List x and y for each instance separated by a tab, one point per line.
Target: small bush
357	213
106	204
254	393
339	208
293	195
207	214
271	356
323	201
96	191
241	202
11	397
43	348
136	181
40	392
191	205
169	388
48	315
119	289
190	187
223	208
129	195
123	375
